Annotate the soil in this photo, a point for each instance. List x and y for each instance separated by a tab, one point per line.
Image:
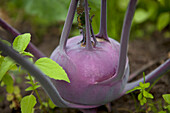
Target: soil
141	52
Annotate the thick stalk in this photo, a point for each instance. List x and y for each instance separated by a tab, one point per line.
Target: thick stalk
103	21
30	48
88	37
68	24
45	82
124	39
151	76
120	72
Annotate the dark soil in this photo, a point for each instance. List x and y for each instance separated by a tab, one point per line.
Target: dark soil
141	52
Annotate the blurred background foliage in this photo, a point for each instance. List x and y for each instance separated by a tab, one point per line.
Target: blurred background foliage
150	15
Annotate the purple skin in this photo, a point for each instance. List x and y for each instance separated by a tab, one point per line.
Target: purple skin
98	74
86	69
95	75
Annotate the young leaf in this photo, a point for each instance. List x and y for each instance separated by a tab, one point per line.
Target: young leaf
27	104
140	15
162	112
6	42
51	104
21	42
168	107
146	85
140	96
163	20
16	90
51	69
143	101
141	84
7	79
147	95
10	97
166	98
32	88
27	54
5	66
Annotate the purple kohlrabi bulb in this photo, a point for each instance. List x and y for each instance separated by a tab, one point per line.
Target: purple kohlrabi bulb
87	69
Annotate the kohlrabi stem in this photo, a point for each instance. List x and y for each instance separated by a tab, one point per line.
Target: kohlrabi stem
120	72
45	82
68	24
88	37
30	48
103	21
124	39
151	76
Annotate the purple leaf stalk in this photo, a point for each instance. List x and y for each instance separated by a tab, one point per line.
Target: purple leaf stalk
98	68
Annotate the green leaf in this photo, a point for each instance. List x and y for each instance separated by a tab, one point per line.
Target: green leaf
141	84
10	97
1	59
7	79
162	112
27	104
5	66
163	20
36	7
140	15
51	69
29	82
16	90
6	42
166	98
146	85
32	88
140	96
21	42
27	54
143	101
51	104
147	95
168	107
28	78
136	88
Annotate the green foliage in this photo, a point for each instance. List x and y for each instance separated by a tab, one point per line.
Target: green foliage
149	16
143	95
8	81
51	69
163	20
6	64
33	86
51	104
166	97
27	104
48	66
21	42
140	15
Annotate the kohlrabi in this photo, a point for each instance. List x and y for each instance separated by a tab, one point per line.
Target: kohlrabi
96	65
